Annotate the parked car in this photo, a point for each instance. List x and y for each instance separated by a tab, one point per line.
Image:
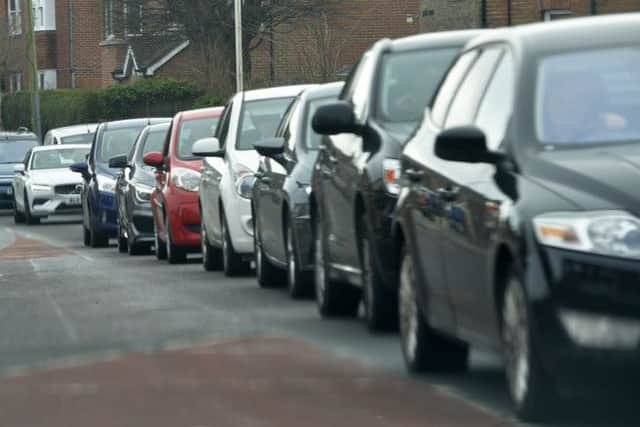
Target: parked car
78	134
355	183
227	174
174	201
99	212
280	199
44	185
134	186
13	148
518	224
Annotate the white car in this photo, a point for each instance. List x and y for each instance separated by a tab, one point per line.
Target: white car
44	185
78	134
227	178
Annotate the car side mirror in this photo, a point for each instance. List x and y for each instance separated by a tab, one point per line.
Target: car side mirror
118	162
466	144
207	147
154	159
19	169
270	147
335	118
82	168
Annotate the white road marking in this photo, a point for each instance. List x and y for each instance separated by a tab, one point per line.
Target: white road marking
85	257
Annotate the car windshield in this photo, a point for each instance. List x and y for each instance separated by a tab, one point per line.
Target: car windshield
312	138
403	97
589	97
117	142
193	130
58	159
14	151
82	138
260	119
154	142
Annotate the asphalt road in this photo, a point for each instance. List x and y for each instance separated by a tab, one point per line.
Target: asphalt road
120	323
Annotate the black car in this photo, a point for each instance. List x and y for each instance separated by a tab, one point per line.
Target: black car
13	148
133	191
518	224
280	199
355	181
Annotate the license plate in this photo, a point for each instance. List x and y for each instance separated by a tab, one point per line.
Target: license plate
73	201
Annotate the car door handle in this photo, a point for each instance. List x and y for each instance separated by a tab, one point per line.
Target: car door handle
448	194
414	175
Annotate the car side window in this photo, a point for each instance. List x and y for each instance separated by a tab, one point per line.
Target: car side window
497	105
291	134
447	90
284	123
167	141
223	125
27	157
362	86
465	103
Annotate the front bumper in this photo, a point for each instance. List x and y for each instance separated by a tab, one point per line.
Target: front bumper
45	204
184	217
6	195
240	223
588	323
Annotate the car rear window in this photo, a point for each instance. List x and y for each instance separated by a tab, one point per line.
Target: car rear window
193	130
259	120
83	138
14	151
589	97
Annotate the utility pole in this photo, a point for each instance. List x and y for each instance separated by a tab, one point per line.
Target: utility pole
33	62
239	58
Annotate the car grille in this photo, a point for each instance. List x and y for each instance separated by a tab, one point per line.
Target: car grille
67	189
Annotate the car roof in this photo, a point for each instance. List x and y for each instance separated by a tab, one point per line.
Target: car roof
74	130
159	127
430	40
59	147
275	92
201	113
546	38
123	124
323	91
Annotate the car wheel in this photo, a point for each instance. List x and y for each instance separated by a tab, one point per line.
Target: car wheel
211	256
231	261
175	254
268	275
28	218
18	217
97	239
532	390
380	303
299	283
86	235
133	247
424	350
123	245
333	298
160	248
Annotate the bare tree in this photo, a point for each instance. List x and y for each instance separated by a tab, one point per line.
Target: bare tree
12	55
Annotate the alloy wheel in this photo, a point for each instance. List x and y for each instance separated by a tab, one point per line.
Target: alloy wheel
408	310
515	335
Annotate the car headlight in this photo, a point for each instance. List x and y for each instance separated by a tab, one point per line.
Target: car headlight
40	188
185	179
244	179
106	183
142	192
391	171
613	233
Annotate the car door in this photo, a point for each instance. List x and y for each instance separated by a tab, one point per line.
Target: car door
123	183
343	178
20	180
161	183
462	212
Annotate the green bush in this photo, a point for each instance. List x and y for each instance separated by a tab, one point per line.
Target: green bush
209	101
63	107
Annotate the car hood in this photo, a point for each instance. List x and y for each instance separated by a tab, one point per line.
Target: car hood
54	176
6	171
592	179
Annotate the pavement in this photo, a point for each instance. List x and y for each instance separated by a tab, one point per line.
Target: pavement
94	337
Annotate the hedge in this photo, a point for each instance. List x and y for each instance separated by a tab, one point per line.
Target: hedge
144	98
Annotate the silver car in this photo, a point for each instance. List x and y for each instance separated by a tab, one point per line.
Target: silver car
44	185
77	134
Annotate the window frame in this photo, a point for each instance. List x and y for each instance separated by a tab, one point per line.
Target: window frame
14	17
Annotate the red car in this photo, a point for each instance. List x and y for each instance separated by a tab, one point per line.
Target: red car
174	200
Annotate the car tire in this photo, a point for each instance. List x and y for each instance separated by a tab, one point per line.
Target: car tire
18	217
28	218
159	246
299	283
232	262
123	244
531	388
133	247
97	239
380	303
424	349
211	256
86	235
268	275
333	298
175	254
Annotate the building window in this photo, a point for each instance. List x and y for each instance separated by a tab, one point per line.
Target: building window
109	32
133	17
553	15
44	15
15	17
48	79
15	82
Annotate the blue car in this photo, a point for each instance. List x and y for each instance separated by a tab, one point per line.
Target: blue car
99	210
